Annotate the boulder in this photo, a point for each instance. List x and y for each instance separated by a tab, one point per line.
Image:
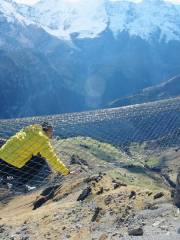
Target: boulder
158	195
96	213
85	193
135	231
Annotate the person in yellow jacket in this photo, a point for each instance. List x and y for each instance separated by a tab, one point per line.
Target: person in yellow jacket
33	140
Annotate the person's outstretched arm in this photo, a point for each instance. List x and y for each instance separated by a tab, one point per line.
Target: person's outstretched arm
47	151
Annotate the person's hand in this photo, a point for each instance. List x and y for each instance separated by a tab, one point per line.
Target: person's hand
75	172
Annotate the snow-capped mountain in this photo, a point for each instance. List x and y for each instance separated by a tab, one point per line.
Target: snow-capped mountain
88	18
72	55
10	10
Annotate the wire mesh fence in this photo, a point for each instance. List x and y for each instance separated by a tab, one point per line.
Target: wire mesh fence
108	134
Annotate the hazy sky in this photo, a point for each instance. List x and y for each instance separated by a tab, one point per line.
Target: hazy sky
34	1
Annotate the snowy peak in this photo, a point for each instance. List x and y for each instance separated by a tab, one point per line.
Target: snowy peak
88	18
146	18
8	9
61	18
11	11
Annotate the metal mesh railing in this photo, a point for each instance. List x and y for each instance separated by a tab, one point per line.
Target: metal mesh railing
156	124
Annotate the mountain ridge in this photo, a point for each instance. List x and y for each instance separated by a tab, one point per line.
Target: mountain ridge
92	71
164	90
89	19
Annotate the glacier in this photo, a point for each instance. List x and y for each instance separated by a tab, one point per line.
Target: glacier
88	19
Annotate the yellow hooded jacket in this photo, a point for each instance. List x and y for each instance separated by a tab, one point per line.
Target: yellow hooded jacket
29	142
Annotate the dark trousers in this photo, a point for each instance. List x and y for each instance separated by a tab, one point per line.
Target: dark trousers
25	174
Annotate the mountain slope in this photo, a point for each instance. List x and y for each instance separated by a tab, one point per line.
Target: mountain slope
29	84
71	60
165	90
103	201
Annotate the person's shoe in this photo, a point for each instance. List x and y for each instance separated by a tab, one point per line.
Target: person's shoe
9	186
29	188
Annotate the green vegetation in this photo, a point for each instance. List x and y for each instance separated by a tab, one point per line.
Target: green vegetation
127	168
96	149
139	177
153	162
